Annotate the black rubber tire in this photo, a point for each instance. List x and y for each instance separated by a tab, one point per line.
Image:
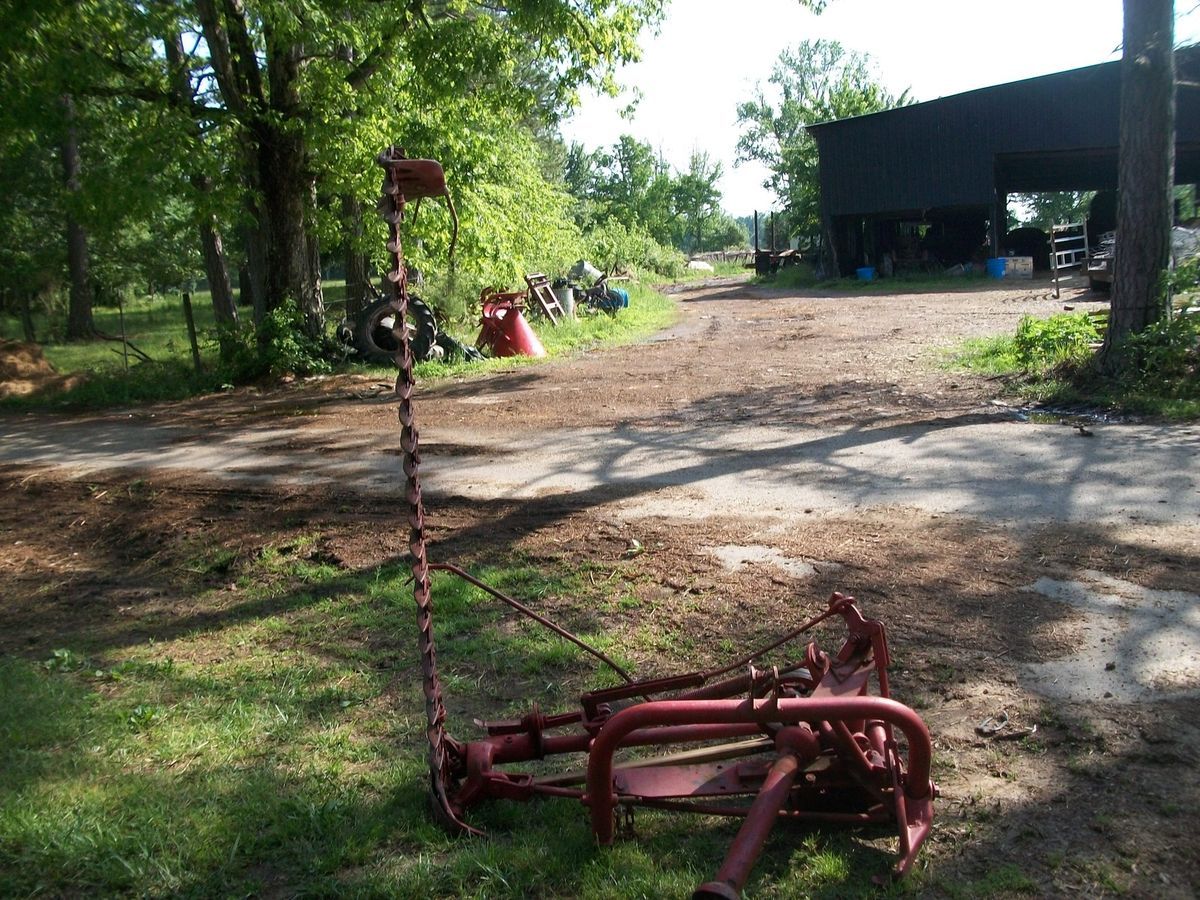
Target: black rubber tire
375	340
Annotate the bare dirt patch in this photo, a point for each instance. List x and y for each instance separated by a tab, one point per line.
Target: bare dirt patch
1132	643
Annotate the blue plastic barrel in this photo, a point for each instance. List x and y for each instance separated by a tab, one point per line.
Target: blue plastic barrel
866	273
995	267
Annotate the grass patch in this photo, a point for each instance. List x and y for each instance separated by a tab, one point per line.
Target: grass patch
1051	362
803	277
1002	881
155	325
277	747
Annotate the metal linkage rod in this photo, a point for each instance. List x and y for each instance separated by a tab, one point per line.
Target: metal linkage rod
526	611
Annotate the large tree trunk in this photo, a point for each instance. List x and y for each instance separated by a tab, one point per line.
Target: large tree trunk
356	260
289	191
216	270
293	266
1146	173
280	185
27	318
245	294
253	282
80	324
352	229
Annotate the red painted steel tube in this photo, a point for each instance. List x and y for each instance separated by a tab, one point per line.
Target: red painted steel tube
879	816
746	847
513	748
707	712
737	686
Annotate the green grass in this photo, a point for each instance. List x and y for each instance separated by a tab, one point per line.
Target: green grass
1004	881
1050	362
803	277
278	747
156	326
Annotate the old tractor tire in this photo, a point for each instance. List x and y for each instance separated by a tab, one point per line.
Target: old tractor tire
375	340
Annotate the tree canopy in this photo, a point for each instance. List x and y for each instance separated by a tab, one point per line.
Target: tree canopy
629	184
254	124
817	81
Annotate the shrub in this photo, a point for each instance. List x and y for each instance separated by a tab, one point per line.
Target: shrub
615	244
1185	278
280	346
1043	343
1166	356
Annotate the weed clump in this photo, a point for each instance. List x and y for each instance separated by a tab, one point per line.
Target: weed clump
1052	361
1063	339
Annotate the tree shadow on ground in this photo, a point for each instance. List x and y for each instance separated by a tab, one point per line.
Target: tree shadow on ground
1109	800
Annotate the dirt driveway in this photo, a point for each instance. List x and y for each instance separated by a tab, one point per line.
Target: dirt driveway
766	450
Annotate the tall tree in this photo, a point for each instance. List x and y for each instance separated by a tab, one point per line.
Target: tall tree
32	251
816	82
697	199
289	103
279	67
80	325
1146	173
1057	207
300	96
634	185
212	245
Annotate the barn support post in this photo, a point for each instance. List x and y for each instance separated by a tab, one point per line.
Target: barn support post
828	254
999	227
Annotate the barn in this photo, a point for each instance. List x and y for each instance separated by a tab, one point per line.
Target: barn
923	184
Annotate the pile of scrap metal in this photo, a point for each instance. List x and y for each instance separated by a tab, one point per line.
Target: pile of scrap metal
768	262
372	334
803	741
503	330
592	290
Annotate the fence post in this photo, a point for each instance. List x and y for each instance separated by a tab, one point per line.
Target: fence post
191	327
124	336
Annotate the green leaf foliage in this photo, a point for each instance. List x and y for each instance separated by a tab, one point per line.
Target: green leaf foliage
1041	343
268	120
817	81
626	186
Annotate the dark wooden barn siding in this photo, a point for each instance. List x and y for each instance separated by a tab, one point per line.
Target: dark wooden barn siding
943	153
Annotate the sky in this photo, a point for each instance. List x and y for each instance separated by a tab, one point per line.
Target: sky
708	56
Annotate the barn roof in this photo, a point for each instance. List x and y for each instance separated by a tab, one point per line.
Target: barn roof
1051	133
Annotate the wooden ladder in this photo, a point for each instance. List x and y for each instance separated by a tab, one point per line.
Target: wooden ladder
539	290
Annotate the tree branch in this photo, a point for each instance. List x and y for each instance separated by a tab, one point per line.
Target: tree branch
358	77
219	51
245	60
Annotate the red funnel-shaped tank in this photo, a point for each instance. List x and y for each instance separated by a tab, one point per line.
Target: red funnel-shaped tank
505	331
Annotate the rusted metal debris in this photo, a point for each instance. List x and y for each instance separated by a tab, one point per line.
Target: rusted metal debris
805	741
502	328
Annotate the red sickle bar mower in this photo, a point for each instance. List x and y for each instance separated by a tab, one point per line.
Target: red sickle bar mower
807	741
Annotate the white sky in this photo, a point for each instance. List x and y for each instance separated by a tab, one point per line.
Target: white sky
709	54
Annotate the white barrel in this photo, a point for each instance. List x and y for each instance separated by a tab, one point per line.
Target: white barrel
566	299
